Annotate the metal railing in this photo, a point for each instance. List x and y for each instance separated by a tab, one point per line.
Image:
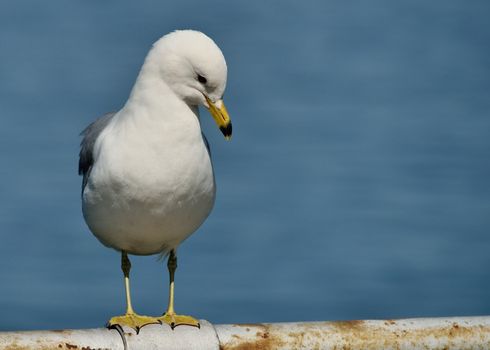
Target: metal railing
458	333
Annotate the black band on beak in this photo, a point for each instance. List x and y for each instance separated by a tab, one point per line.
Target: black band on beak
226	130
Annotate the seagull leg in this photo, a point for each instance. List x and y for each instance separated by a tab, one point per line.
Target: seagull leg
170	317
130	319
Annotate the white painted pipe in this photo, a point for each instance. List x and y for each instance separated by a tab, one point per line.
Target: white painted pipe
458	333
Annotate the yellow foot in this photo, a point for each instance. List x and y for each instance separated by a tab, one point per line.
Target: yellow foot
132	320
174	320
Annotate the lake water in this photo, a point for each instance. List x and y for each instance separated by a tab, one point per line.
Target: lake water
356	184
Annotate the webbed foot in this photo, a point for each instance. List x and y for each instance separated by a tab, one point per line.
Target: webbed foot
132	320
174	320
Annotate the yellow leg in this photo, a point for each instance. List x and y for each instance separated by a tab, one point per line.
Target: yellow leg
130	319
170	317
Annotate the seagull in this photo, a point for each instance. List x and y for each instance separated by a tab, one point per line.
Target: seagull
148	180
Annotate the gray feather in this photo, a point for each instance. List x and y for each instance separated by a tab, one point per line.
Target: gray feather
90	135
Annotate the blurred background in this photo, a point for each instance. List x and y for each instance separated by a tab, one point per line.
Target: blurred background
356	184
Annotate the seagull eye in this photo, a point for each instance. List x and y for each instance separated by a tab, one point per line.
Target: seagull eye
201	79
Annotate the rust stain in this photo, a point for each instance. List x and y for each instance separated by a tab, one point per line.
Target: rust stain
264	340
351	335
41	346
262	335
297	338
348	325
61	331
372	337
15	346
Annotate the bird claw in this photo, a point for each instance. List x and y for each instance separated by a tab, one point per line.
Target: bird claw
174	320
132	320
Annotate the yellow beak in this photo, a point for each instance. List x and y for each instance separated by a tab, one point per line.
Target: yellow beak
221	117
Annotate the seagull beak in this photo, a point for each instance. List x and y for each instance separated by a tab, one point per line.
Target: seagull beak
220	115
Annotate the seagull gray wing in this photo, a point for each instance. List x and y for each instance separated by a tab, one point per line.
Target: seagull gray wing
90	135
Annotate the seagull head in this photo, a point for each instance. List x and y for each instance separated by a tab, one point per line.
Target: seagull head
194	67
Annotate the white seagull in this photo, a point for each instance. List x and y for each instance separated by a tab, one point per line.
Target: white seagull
148	180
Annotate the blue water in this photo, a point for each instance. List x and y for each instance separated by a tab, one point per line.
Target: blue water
356	184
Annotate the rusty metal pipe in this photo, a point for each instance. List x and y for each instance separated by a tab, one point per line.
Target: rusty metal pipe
456	333
459	333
